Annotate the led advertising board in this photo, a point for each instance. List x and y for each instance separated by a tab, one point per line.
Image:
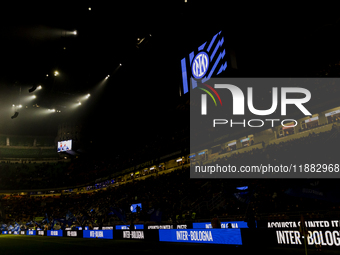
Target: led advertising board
233	224
41	233
137	226
149	235
212	236
102	234
73	233
55	233
315	237
31	232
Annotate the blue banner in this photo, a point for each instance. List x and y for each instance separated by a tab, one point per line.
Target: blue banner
3	227
212	236
16	227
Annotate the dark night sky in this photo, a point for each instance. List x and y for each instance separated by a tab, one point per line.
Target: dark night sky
278	43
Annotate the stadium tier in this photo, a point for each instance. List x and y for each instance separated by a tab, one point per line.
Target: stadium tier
27	141
27	148
27	154
168	194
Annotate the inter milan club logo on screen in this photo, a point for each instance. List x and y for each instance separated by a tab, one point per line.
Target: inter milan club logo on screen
200	65
208	61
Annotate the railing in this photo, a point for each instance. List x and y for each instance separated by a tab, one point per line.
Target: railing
32	160
280	216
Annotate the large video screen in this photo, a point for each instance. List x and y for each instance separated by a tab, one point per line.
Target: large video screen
207	61
64	145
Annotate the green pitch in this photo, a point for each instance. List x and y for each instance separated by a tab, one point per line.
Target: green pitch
27	245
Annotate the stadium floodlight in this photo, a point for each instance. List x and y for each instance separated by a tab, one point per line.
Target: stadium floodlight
139	42
143	41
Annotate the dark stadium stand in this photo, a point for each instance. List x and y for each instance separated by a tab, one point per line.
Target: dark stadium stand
171	191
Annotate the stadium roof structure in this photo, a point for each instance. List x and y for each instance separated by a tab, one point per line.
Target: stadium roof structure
126	56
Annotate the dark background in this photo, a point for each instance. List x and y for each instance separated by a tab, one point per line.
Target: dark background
139	99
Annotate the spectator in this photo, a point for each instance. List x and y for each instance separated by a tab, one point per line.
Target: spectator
132	224
215	222
57	226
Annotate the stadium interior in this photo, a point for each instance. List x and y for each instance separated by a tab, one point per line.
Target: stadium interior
95	128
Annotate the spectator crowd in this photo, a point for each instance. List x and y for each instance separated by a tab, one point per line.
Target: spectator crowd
175	198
